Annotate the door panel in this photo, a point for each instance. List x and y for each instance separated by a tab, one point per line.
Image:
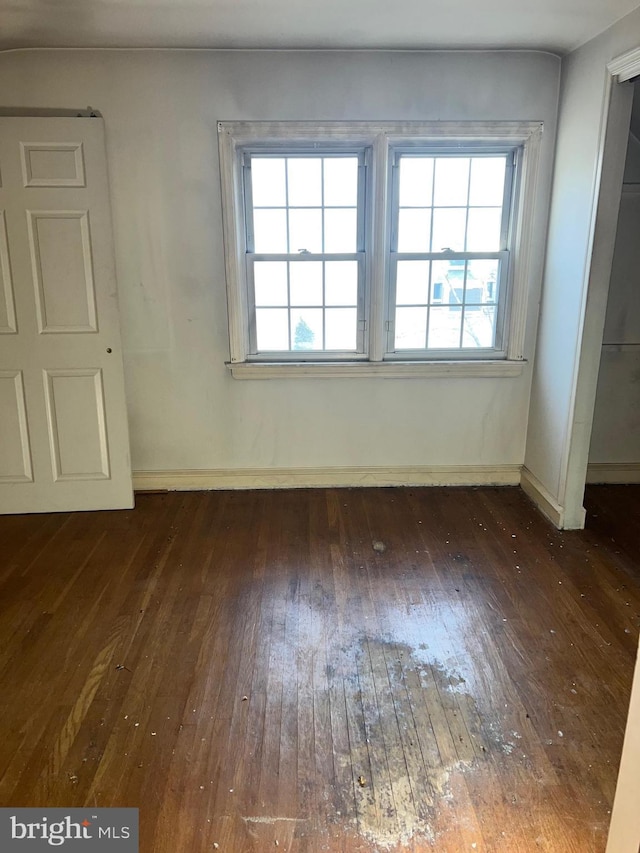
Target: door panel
75	416
52	164
7	305
63	426
15	451
60	247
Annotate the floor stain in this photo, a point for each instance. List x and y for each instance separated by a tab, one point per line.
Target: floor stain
412	724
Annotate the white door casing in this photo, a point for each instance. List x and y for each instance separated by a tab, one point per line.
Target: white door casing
64	441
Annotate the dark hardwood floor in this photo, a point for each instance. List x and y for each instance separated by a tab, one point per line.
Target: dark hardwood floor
323	670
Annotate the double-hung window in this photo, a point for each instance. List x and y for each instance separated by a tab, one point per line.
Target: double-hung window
390	249
305	252
449	258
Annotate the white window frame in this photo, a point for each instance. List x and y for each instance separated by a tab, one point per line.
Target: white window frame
498	351
382	138
360	254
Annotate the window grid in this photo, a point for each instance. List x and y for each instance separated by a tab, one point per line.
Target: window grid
287	207
495	303
304	256
467	307
292	305
503	207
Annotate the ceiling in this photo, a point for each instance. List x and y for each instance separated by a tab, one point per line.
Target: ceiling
554	25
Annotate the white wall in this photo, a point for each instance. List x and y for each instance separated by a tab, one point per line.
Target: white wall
616	422
575	289
614	454
160	110
632	161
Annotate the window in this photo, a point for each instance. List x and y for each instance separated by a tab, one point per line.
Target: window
359	248
305	252
449	258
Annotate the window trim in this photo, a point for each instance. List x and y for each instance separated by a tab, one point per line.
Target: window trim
382	138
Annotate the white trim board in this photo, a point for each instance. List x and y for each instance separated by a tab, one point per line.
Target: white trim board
613	472
543	499
438	475
369	369
305	478
626	66
356	477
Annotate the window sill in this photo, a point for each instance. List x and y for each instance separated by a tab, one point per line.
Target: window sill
369	369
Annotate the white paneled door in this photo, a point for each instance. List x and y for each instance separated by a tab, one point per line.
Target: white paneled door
64	441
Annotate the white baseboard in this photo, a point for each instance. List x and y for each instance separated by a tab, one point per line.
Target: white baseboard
613	472
307	478
542	498
304	478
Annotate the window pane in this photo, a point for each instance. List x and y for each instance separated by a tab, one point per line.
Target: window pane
440	281
305	281
482	281
454	283
451	181
304	181
305	230
267	182
479	326
270	282
412	283
270	231
444	328
448	229
341	181
416	181
483	232
411	328
341	328
341	283
413	230
473	289
306	329
487	181
340	230
272	329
